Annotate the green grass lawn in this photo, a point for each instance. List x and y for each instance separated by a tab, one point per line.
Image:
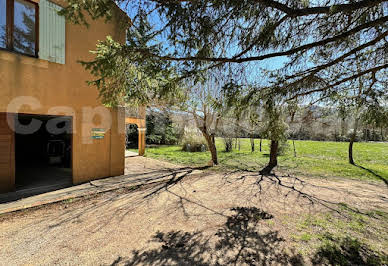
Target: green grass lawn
324	159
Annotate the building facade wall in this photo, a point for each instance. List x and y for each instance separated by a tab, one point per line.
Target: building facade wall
56	89
7	153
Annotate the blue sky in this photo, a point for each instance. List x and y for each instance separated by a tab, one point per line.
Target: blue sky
269	64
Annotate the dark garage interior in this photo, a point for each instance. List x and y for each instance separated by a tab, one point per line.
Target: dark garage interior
43	158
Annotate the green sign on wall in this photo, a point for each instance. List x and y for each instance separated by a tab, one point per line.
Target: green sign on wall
98	133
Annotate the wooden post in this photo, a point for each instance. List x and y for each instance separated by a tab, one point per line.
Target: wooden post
142	141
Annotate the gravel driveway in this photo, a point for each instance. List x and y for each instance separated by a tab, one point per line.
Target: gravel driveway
192	219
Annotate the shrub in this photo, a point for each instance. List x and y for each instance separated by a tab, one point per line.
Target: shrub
341	138
300	135
161	129
320	137
193	143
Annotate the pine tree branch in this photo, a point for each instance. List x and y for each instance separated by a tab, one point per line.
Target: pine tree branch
335	84
269	55
292	12
312	71
295	12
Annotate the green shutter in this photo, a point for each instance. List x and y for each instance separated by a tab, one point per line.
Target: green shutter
52	32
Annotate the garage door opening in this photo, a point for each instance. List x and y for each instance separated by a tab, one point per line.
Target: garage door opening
43	153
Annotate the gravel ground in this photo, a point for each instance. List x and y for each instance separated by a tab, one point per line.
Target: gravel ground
193	219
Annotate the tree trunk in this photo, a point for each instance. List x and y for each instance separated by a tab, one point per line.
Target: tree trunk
351	161
210	139
273	158
293	144
382	134
261	144
252	144
351	142
343	127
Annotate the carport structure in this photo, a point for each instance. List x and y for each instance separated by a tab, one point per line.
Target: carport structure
137	116
36	154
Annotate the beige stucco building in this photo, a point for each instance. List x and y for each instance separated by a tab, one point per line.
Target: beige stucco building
41	80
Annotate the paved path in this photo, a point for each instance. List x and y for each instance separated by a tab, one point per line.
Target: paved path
131	154
138	171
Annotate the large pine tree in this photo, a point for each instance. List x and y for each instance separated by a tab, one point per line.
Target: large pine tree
315	45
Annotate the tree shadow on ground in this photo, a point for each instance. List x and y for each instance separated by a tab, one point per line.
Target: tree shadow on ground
163	182
286	187
245	240
347	251
242	240
385	180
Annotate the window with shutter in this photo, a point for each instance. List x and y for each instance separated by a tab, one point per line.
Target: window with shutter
19	26
52	32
